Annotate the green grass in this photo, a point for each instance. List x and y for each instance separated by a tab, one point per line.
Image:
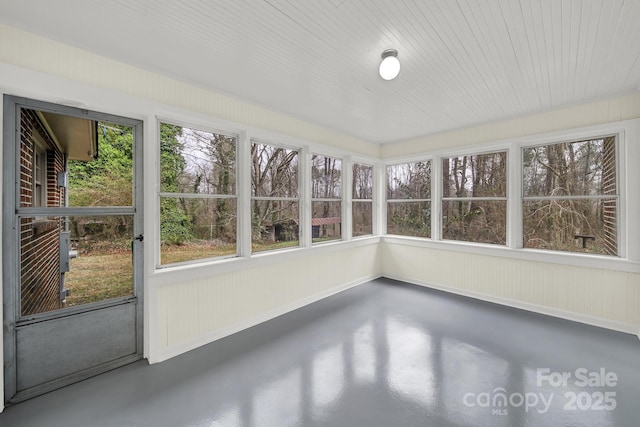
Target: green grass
96	277
324	239
103	272
195	251
170	254
270	246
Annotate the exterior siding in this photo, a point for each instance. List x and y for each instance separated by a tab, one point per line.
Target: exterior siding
39	237
40	266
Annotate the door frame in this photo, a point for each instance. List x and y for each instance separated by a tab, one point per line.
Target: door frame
10	242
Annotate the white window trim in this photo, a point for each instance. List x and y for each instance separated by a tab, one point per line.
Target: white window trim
629	202
440	189
246	135
386	201
345	229
160	194
619	137
628	147
247	158
351	200
346	175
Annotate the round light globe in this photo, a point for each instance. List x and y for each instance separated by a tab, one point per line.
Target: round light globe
389	67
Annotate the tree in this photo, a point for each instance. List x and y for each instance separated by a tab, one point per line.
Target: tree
174	223
410	185
467	183
570	190
274	174
326	176
105	181
362	193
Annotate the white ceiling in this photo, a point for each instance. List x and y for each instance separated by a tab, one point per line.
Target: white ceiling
464	62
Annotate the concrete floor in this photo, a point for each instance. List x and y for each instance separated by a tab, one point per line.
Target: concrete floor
381	354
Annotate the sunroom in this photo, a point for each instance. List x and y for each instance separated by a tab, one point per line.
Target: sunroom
275	232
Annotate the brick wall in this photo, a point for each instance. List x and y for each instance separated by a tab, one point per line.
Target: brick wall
610	214
39	237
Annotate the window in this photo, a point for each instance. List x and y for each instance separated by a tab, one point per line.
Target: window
362	200
570	198
326	198
39	175
274	197
198	199
474	198
409	199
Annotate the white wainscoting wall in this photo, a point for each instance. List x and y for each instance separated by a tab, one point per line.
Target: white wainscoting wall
600	297
199	311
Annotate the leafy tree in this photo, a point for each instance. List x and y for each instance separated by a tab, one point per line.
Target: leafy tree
104	181
410	184
174	222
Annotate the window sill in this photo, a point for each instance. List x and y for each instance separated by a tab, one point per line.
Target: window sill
193	271
535	255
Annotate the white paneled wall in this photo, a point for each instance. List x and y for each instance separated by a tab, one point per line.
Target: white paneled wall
601	297
599	112
199	311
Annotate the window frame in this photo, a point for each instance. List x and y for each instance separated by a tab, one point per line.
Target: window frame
345	222
353	200
163	194
617	197
504	198
299	199
629	204
628	259
385	179
206	267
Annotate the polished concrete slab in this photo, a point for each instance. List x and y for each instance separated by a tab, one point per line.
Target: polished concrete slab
381	354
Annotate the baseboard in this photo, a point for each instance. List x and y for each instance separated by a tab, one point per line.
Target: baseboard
194	343
548	311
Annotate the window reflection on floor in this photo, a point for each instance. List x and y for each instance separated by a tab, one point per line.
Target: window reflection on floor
364	354
410	371
279	402
328	380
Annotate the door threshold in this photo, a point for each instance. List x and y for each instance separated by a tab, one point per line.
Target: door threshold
65	381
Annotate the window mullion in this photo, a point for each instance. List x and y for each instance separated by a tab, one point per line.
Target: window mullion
514	198
379	199
243	181
347	197
304	188
436	198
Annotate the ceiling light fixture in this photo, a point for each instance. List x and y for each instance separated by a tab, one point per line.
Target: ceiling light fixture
390	65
